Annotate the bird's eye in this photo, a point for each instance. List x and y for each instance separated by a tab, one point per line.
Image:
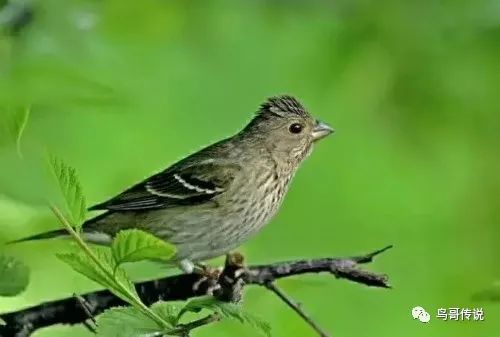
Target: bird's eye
295	128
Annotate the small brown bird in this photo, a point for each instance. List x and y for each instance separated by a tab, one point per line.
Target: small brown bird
217	198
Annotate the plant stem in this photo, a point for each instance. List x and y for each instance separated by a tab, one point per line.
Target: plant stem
184	329
132	299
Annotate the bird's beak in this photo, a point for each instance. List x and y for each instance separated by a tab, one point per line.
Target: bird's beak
321	130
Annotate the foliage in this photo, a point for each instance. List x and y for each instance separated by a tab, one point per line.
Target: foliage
134	245
104	272
124	88
14	276
126	322
228	310
103	267
16	119
71	190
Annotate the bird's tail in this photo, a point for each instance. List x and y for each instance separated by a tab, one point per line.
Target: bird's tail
43	236
90	232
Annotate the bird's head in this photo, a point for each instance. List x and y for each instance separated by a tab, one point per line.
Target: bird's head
286	128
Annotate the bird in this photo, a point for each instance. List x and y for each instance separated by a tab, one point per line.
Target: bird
214	200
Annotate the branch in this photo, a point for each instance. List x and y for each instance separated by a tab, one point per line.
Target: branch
181	287
297	308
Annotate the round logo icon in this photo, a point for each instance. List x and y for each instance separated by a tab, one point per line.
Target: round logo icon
420	314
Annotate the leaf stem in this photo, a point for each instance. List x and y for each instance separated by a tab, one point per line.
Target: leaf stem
184	329
130	296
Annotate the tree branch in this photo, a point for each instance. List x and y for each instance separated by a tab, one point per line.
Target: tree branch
297	308
181	287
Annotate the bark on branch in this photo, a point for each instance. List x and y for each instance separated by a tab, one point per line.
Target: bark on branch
181	287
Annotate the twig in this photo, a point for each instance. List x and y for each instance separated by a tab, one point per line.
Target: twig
85	307
183	330
180	287
296	307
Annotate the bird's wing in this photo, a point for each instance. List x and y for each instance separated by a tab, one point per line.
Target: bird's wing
192	184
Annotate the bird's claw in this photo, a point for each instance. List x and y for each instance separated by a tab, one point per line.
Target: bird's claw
224	283
209	278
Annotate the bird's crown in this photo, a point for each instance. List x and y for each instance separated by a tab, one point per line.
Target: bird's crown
282	106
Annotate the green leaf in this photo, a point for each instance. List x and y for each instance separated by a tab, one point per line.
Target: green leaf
226	310
17	119
85	266
14	276
2	322
198	304
21	122
135	245
126	322
168	312
82	264
71	189
254	321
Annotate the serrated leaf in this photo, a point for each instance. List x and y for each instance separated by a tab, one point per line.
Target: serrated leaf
126	322
14	276
169	312
71	189
82	264
120	274
226	310
135	245
256	322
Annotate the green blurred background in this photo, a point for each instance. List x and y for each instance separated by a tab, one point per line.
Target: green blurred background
121	89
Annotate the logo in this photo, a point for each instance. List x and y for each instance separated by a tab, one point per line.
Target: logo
420	314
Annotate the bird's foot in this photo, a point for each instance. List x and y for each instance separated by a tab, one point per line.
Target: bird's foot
231	280
186	266
209	278
207	271
224	283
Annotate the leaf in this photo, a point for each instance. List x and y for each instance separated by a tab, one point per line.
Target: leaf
17	119
2	322
255	321
226	310
198	304
126	322
82	264
21	121
14	276
71	189
135	245
167	311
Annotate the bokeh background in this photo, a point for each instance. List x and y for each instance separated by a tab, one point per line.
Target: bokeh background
121	89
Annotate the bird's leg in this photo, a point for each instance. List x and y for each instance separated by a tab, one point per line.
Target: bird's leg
187	266
209	275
